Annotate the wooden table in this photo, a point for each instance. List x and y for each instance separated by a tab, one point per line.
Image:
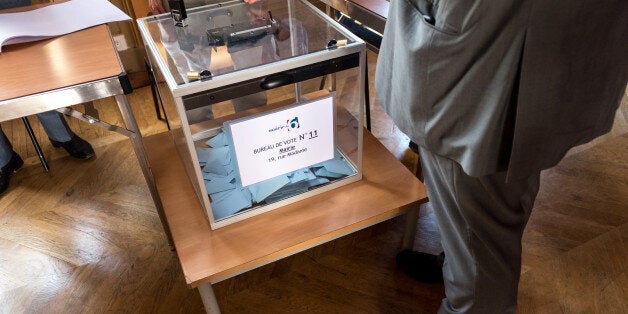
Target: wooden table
75	68
208	256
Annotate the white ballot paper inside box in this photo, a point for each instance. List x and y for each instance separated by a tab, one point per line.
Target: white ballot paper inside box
282	141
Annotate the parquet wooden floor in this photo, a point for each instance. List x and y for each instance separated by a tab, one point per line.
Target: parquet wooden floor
85	238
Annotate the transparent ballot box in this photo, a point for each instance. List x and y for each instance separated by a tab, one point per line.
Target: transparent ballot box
264	101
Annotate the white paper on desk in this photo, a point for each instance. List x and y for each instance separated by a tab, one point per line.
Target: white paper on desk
56	20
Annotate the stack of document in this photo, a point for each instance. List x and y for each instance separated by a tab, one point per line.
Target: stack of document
56	20
228	197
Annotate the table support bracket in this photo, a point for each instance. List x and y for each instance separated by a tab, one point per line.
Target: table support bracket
95	121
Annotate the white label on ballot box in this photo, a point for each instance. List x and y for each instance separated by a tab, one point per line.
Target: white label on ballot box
283	141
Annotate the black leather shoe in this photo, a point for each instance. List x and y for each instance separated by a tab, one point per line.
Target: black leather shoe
421	266
12	167
414	146
76	147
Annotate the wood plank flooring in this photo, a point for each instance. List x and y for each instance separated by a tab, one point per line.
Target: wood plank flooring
85	238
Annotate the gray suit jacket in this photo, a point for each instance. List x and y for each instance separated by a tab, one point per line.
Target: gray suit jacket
504	84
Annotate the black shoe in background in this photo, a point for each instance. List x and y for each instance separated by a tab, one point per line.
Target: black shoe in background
76	147
10	168
413	146
421	266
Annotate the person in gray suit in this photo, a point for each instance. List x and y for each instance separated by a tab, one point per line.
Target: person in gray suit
493	92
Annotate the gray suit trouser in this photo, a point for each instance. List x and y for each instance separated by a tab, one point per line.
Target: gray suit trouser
55	126
481	221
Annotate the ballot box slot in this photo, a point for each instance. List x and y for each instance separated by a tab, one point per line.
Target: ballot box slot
276	80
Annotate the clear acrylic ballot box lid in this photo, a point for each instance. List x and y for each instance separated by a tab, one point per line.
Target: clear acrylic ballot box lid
238	27
264	101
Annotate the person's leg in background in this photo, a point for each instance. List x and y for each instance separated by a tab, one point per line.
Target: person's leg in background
481	221
61	135
55	126
10	162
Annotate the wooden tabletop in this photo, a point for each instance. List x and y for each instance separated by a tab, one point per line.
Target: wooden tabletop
387	189
80	57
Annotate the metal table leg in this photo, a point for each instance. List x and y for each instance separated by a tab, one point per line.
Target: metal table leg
209	299
138	147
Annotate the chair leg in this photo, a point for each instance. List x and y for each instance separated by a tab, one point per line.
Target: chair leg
40	154
419	169
159	105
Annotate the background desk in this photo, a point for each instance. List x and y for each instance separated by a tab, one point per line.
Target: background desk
208	256
370	13
67	70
